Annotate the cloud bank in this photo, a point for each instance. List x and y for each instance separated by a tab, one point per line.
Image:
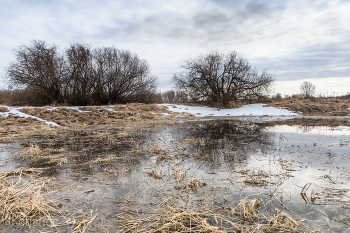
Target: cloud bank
295	40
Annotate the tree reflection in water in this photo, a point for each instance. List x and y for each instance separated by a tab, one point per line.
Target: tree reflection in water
221	143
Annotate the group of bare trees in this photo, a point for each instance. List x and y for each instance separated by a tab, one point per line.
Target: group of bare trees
174	96
82	75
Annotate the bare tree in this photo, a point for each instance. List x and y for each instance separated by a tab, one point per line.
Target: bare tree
80	78
122	76
308	89
221	78
39	67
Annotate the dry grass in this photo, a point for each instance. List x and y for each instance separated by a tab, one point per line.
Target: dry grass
325	195
193	184
156	174
162	153
190	204
22	201
173	214
172	220
97	116
104	160
315	107
255	178
13	127
248	219
54	156
3	109
283	222
247	209
180	174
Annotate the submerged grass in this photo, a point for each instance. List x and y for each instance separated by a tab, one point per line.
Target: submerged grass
184	203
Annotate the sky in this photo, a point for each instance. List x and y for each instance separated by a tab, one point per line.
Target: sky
295	40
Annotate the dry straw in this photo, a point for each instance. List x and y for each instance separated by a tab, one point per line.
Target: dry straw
22	200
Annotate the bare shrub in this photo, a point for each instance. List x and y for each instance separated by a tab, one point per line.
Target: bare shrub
307	89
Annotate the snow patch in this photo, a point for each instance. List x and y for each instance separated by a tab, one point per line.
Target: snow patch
16	112
246	110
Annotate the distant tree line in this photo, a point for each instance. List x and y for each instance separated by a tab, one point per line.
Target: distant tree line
174	96
81	75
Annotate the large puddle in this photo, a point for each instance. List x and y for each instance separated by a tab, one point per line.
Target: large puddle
199	166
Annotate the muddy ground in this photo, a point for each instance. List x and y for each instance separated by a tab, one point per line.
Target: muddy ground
140	170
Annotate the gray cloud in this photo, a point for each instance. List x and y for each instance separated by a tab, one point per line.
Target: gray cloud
293	39
316	61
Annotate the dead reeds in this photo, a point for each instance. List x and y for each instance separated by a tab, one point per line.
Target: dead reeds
172	220
244	218
283	222
247	209
22	199
24	204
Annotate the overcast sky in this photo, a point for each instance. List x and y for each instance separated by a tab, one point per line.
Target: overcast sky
296	40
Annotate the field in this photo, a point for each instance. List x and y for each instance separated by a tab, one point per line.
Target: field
175	168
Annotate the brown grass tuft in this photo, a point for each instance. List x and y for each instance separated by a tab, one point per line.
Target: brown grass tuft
282	222
22	201
3	109
247	210
194	184
180	174
156	174
173	220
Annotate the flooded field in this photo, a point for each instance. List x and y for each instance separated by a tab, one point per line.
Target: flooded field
195	176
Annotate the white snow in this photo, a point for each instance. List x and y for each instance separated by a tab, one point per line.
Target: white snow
78	108
16	112
246	110
109	108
